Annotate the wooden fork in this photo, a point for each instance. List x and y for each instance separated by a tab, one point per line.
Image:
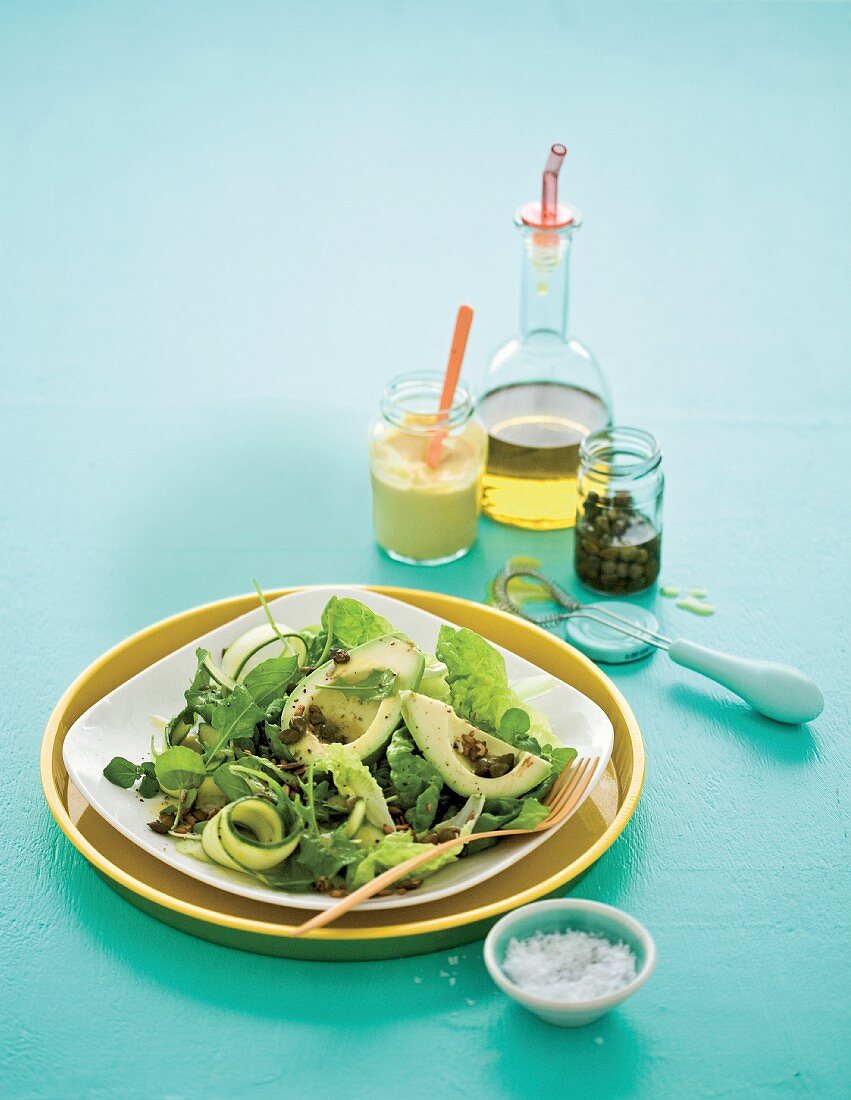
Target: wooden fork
562	800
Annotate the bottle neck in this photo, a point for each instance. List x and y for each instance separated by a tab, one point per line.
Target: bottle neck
544	293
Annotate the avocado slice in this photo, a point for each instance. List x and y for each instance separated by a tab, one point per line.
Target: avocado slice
439	734
365	725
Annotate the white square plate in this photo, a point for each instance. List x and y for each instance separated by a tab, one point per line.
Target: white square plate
119	725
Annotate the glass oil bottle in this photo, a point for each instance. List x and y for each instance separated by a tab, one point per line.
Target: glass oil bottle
544	392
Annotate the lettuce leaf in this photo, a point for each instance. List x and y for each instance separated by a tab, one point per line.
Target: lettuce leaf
479	689
417	782
353	779
390	852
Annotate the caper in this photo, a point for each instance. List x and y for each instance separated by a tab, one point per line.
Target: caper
608	568
636	572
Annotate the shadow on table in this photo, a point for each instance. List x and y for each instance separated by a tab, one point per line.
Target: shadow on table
607	1058
452	986
770	740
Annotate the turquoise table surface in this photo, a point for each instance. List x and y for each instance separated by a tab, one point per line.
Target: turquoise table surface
222	226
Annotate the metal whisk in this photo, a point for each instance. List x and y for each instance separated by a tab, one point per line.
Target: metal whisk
778	691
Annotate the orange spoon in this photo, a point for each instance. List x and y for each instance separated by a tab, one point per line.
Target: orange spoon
450	381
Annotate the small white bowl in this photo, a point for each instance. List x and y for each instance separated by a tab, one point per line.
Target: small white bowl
562	915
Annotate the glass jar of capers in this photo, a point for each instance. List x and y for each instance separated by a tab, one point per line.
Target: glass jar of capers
618	534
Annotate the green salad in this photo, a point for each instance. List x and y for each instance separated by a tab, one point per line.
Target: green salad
315	759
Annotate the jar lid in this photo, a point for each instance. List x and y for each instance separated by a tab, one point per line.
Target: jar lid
606	644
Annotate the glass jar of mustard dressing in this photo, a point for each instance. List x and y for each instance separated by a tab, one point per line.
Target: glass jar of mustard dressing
425	495
618	536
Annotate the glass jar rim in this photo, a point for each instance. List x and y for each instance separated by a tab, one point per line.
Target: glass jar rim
403	391
620	451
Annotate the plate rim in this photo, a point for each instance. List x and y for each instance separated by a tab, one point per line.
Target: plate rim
279	930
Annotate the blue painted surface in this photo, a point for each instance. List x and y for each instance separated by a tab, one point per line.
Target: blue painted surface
223	226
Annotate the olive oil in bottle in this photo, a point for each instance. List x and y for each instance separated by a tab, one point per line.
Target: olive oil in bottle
543	392
534	432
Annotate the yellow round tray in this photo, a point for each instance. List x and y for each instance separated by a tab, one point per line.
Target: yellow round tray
225	918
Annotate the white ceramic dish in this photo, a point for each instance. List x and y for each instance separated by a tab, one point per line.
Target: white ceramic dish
560	915
119	725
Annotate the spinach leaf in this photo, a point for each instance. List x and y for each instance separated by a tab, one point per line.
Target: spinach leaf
379	684
179	769
121	772
348	623
268	681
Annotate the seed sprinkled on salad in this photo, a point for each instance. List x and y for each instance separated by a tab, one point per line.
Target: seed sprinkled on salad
316	758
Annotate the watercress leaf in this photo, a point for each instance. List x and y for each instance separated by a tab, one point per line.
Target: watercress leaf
121	772
179	769
149	786
268	681
513	724
378	684
231	785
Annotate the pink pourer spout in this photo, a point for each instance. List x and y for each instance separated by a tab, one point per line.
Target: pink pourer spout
549	189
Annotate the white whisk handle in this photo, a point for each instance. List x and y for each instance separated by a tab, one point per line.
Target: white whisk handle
777	691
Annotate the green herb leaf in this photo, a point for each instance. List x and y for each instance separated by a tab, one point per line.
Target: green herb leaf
379	684
179	769
268	681
234	717
121	772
